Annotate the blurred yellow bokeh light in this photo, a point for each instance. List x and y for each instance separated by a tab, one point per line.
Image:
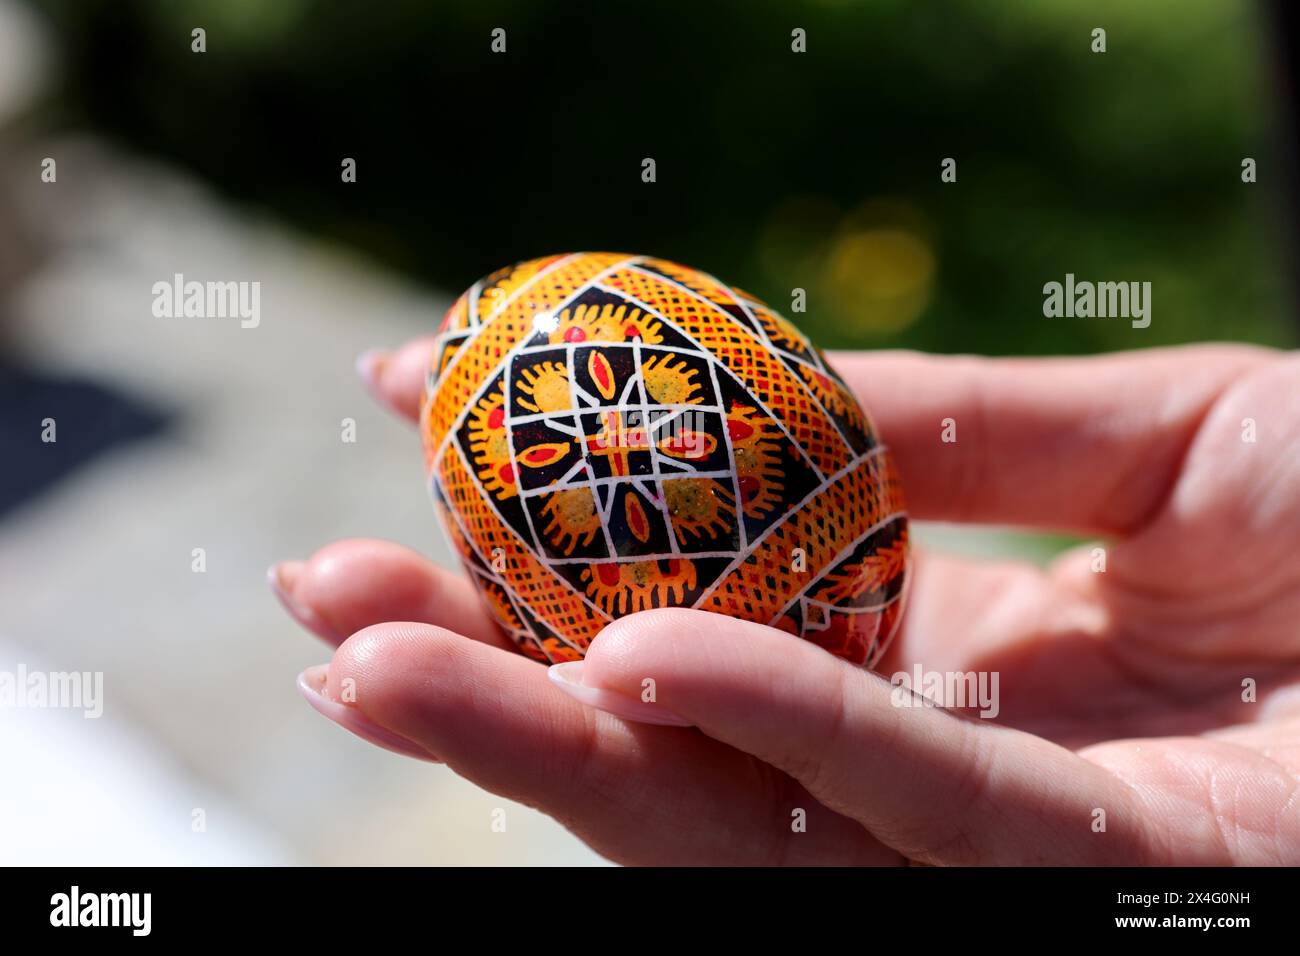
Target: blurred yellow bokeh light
879	279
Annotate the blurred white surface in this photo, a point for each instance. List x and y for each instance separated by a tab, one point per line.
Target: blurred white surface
93	792
200	708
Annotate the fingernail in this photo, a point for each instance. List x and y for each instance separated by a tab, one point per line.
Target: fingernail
568	678
311	684
281	577
370	365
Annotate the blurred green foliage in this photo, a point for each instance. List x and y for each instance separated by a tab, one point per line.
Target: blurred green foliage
775	169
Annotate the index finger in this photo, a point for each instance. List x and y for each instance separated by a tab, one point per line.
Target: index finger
396	378
1090	445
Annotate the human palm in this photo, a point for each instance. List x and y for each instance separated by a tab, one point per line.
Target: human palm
1150	682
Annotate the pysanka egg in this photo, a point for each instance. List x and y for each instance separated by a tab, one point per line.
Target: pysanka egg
609	433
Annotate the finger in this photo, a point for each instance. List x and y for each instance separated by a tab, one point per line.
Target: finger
934	786
1237	493
1229	794
396	379
349	585
1040	630
635	793
961	610
1081	444
1084	444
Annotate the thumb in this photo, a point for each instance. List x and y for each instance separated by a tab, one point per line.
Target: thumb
934	786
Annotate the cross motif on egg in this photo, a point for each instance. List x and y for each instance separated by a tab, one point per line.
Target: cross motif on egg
608	433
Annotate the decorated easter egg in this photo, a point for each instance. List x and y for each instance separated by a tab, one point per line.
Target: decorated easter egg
610	433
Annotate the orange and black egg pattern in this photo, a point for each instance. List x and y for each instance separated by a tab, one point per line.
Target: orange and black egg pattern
610	433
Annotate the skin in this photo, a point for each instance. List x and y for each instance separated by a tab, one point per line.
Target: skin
1119	690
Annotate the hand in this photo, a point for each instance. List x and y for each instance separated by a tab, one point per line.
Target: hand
1121	691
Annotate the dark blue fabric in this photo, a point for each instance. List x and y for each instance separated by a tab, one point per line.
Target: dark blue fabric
90	419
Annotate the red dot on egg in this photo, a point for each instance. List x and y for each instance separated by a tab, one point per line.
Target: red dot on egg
748	487
497	418
739	431
507	473
575	334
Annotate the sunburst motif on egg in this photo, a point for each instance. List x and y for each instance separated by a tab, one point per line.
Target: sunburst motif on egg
608	433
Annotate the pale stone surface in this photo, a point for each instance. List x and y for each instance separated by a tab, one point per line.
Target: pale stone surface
96	573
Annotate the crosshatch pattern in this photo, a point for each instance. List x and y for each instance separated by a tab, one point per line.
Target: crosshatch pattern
608	433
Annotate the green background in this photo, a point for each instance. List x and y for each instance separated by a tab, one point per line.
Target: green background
775	170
